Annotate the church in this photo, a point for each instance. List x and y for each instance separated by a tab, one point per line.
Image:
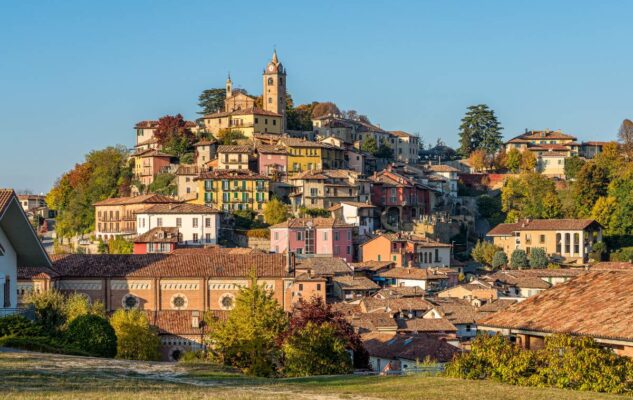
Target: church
250	115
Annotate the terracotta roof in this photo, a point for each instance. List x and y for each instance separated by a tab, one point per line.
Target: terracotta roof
234	149
205	142
496	305
545	135
408	347
296	142
325	266
358	204
179	322
5	198
612	266
426	325
269	149
401	134
394	305
457	311
241	174
187	169
151	140
420	274
541	225
442	168
396	292
518	279
404	237
347	309
597	304
355	283
143	199
217	265
371	265
36	273
245	111
318	222
553	154
146	124
373	322
179	208
158	235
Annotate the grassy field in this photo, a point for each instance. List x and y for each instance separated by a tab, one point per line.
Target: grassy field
38	376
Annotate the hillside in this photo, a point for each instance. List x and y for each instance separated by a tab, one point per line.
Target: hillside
34	375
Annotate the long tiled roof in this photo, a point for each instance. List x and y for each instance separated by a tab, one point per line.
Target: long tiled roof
597	304
373	321
518	279
178	322
245	111
143	199
355	283
241	174
408	347
541	225
413	274
270	149
393	305
225	148
426	325
36	273
325	266
317	222
215	265
158	235
179	208
457	311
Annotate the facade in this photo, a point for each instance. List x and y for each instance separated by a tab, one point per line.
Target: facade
449	174
230	190
205	152
196	224
272	161
303	155
19	245
157	240
361	215
185	180
234	157
564	240
428	279
117	216
405	146
349	288
149	163
407	249
313	236
543	141
325	188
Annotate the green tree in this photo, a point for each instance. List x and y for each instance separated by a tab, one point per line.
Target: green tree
592	182
598	251
573	165
479	130
316	350
538	258
513	160
136	338
313	212
384	151
93	334
369	146
518	259
615	211
230	136
165	184
499	260
299	118
248	338
530	195
211	100
77	305
49	307
120	245
484	252
275	212
490	208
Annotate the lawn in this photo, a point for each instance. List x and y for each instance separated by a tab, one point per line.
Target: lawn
33	375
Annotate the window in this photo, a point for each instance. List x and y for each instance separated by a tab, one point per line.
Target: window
207	237
276	235
159	222
559	243
194	222
178	222
130	301
7	291
349	250
468	328
336	235
178	301
195	238
300	286
207	222
299	235
379	257
270	81
318	286
325	235
541	239
437	255
349	235
227	301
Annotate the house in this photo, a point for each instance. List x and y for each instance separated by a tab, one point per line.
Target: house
460	313
565	240
449	175
197	224
543	141
183	286
205	152
397	292
592	148
597	304
234	157
157	240
471	290
185	180
526	283
313	236
405	146
351	287
372	322
404	249
116	216
303	155
149	163
370	268
428	279
233	189
324	267
19	246
272	161
402	307
362	215
325	188
34	205
397	353
440	327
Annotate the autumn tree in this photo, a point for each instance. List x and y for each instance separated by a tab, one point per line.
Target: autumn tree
211	100
136	338
173	133
230	136
275	212
615	210
625	134
513	160
573	165
478	159
528	161
484	252
530	195
592	182
320	109
479	130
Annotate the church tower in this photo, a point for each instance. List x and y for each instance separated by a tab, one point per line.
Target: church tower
229	87
274	93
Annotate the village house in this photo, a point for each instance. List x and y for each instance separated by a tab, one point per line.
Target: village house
461	313
564	240
404	249
116	216
397	307
19	246
369	269
313	236
472	290
325	188
448	174
522	284
350	287
234	157
157	240
324	267
149	163
197	224
361	215
185	180
405	146
205	152
233	189
272	161
428	279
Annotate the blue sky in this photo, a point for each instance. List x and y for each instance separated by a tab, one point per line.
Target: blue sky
77	75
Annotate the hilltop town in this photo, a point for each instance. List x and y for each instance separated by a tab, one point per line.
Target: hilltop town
417	247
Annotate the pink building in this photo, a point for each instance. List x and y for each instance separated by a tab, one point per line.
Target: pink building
272	160
309	236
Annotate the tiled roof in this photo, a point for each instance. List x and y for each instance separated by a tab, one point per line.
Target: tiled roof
234	149
355	283
457	311
325	266
241	174
401	134
597	304
347	309
245	111
179	322
373	322
413	274
371	265
358	204
545	135
143	199
269	149
187	169
36	273
217	265
442	168
518	279
496	305
394	305
426	325
178	208
205	142
612	266
407	237
296	142
541	225
396	292
408	347
158	235
5	198
318	222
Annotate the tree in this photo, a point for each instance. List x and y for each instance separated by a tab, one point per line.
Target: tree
136	338
93	334
484	252
538	258
598	251
478	160
625	134
230	136
499	260
77	305
573	165
248	338
518	259
479	130
369	146
513	160
490	208
173	133
530	195
49	307
592	182
275	212
321	109
212	100
165	184
384	151
528	161
120	245
615	211
316	350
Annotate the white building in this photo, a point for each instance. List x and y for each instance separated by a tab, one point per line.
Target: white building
18	245
449	174
197	224
358	214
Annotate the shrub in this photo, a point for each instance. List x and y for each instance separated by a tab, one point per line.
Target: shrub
484	252
500	259
49	310
625	254
93	334
18	325
262	233
538	258
136	338
598	251
77	305
519	259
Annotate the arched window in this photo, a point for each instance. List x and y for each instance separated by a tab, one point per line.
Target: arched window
271	81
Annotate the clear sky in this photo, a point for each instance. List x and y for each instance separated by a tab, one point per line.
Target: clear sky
77	75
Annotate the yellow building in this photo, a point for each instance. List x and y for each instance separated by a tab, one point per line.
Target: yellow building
231	190
303	155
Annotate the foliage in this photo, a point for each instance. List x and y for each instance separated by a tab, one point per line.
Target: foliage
211	100
102	247
324	108
275	212
316	350
519	259
136	338
624	254
165	184
246	219
538	258
478	159
18	325
42	344
615	211
513	160
174	135
598	251
490	208
479	130
499	260
592	182
230	136
369	146
573	165
76	305
49	306
104	174
248	338
384	151
313	212
625	134
120	245
298	118
93	334
530	195
528	161
262	233
484	252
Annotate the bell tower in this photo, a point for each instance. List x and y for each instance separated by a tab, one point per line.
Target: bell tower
229	87
274	88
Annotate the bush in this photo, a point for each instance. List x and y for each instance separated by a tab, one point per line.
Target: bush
625	254
93	334
262	233
18	325
484	252
500	259
518	259
77	305
49	310
313	212
538	258
598	251
136	338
